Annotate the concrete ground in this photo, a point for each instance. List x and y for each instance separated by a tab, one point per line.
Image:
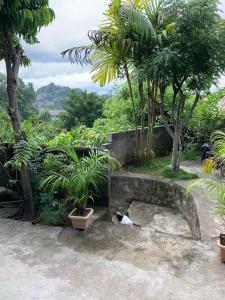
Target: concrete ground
157	261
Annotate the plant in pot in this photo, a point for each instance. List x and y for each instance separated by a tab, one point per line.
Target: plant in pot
215	188
79	178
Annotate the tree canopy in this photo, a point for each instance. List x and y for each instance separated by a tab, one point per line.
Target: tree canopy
81	108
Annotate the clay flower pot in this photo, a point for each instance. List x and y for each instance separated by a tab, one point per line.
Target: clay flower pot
222	252
80	222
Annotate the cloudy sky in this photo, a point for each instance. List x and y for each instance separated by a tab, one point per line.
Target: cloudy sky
74	18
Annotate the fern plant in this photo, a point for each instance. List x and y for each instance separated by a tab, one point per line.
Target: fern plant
26	153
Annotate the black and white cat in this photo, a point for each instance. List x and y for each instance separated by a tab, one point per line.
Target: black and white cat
125	220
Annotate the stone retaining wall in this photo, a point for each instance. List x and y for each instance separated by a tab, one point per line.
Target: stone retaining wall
123	144
125	187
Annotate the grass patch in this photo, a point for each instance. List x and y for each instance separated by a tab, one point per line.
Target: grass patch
190	154
160	166
180	175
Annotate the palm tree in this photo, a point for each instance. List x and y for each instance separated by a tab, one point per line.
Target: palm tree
78	177
120	46
215	188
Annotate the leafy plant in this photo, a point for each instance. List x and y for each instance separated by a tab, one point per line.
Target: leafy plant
81	108
79	178
54	215
208	117
80	136
20	23
211	187
26	153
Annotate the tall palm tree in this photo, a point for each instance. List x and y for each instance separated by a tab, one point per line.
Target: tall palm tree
121	44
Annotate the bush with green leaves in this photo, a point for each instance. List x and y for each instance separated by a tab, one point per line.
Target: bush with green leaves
52	211
80	136
37	129
207	116
78	177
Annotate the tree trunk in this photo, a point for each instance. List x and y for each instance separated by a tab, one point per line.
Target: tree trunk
176	151
13	58
152	94
133	107
141	93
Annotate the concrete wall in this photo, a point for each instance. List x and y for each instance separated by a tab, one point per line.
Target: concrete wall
125	187
123	144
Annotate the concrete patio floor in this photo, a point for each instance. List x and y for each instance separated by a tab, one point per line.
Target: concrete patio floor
158	261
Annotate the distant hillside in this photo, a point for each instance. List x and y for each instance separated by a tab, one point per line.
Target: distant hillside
52	95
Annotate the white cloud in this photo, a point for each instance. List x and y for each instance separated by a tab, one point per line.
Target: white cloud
41	70
74	18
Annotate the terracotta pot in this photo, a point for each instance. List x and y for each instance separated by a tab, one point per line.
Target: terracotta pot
222	252
80	222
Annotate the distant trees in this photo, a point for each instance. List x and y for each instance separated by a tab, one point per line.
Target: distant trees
26	96
81	108
20	21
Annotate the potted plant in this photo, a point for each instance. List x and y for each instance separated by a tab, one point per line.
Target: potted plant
79	178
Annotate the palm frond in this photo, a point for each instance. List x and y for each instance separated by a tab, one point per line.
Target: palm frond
139	21
213	188
104	68
218	145
79	55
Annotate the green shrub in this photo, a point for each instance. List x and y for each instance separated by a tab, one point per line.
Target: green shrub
53	217
52	211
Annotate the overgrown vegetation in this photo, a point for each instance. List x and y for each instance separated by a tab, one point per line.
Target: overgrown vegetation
160	166
210	187
176	45
169	53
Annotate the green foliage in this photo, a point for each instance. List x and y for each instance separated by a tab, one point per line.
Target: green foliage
6	132
52	211
81	108
77	177
207	116
25	18
215	188
40	130
190	154
80	136
25	153
111	125
26	97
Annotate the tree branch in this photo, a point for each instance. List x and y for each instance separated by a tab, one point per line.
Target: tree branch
165	121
